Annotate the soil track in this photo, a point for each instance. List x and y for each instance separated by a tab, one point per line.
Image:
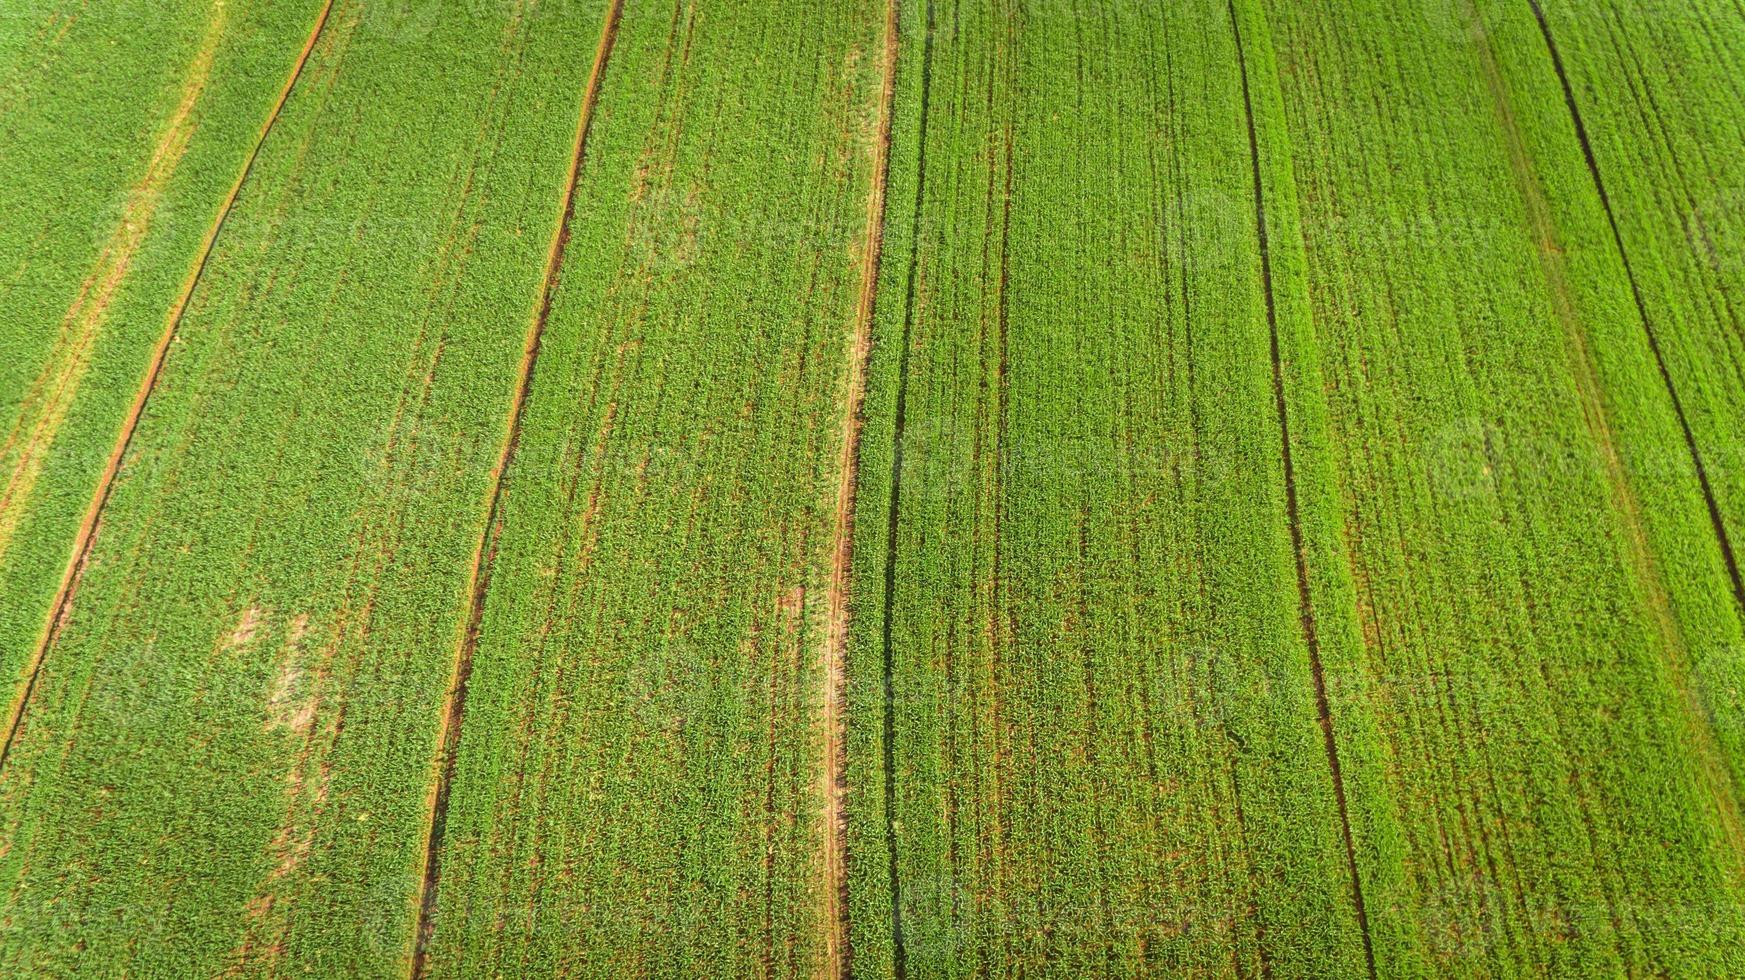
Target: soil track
838	949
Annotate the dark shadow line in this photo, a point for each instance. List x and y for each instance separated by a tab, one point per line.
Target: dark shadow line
899	953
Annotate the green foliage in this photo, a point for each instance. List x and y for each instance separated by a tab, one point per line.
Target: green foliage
256	660
638	785
125	126
1293	518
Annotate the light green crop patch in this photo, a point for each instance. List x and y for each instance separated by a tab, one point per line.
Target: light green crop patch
248	684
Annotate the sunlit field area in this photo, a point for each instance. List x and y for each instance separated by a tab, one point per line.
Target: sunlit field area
872	488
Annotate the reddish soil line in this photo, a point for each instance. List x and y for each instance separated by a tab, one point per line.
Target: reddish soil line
839	953
484	555
81	551
1306	609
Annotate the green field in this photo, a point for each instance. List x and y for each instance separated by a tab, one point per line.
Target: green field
881	488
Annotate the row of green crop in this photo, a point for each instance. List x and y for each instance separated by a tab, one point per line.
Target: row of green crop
638	788
1656	98
1084	731
1658	87
1538	636
126	126
1237	363
226	761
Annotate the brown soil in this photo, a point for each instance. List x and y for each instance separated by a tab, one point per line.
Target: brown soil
834	858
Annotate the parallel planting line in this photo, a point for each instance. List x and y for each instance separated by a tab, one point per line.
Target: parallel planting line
888	737
87	533
839	953
1298	548
1073	581
448	740
1728	555
1600	423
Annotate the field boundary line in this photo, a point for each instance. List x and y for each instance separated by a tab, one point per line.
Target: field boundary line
87	534
839	947
1728	556
1305	600
484	555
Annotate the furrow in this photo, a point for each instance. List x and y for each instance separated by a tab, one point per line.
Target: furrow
839	949
1311	637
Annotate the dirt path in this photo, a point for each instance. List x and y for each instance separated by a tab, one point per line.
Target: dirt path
834	859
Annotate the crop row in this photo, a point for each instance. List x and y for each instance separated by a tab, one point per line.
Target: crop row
224	763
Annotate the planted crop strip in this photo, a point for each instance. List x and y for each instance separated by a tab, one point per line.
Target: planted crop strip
1548	791
638	786
87	316
485	555
1666	342
838	929
1723	537
1678	541
231	737
1293	507
1083	727
100	239
1653	94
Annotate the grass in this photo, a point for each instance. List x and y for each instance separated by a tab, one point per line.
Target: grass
102	236
260	638
891	488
